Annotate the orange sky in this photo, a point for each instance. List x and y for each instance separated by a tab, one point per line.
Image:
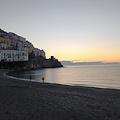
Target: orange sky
85	30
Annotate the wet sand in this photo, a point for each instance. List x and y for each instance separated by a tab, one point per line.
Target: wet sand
22	100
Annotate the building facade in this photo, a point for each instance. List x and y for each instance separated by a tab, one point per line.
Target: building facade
39	52
16	48
5	41
13	55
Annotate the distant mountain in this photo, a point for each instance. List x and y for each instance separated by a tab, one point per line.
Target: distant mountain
85	63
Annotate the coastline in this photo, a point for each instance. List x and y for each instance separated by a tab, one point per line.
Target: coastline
14	74
32	100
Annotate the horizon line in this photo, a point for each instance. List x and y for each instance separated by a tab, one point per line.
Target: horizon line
99	62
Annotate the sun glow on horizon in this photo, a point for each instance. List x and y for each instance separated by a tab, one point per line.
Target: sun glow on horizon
73	30
86	54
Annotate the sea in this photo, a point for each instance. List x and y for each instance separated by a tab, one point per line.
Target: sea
101	76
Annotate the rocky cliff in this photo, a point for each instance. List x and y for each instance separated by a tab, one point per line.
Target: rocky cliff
32	64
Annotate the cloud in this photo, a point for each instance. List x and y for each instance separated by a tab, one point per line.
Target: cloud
66	62
76	61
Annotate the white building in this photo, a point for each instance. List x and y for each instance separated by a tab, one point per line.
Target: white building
13	55
39	52
29	46
13	36
3	46
16	48
22	39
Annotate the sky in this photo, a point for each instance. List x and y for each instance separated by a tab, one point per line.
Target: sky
70	30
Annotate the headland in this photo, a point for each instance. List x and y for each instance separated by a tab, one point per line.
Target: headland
18	53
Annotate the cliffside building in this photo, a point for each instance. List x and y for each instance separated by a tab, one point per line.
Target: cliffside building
13	55
16	48
39	52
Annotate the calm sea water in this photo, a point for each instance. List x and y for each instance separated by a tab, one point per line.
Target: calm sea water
103	76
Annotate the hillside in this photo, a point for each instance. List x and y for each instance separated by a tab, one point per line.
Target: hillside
18	53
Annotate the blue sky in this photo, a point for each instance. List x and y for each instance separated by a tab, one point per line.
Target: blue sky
83	30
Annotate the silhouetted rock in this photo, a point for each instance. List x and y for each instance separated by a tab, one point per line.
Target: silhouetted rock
32	64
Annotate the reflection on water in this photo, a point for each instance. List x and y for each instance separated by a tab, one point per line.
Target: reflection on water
87	75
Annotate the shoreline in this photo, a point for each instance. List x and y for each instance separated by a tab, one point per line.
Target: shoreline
25	79
47	101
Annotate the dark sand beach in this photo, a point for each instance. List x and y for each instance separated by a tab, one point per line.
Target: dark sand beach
22	100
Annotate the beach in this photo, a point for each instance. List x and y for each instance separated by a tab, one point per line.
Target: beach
25	100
